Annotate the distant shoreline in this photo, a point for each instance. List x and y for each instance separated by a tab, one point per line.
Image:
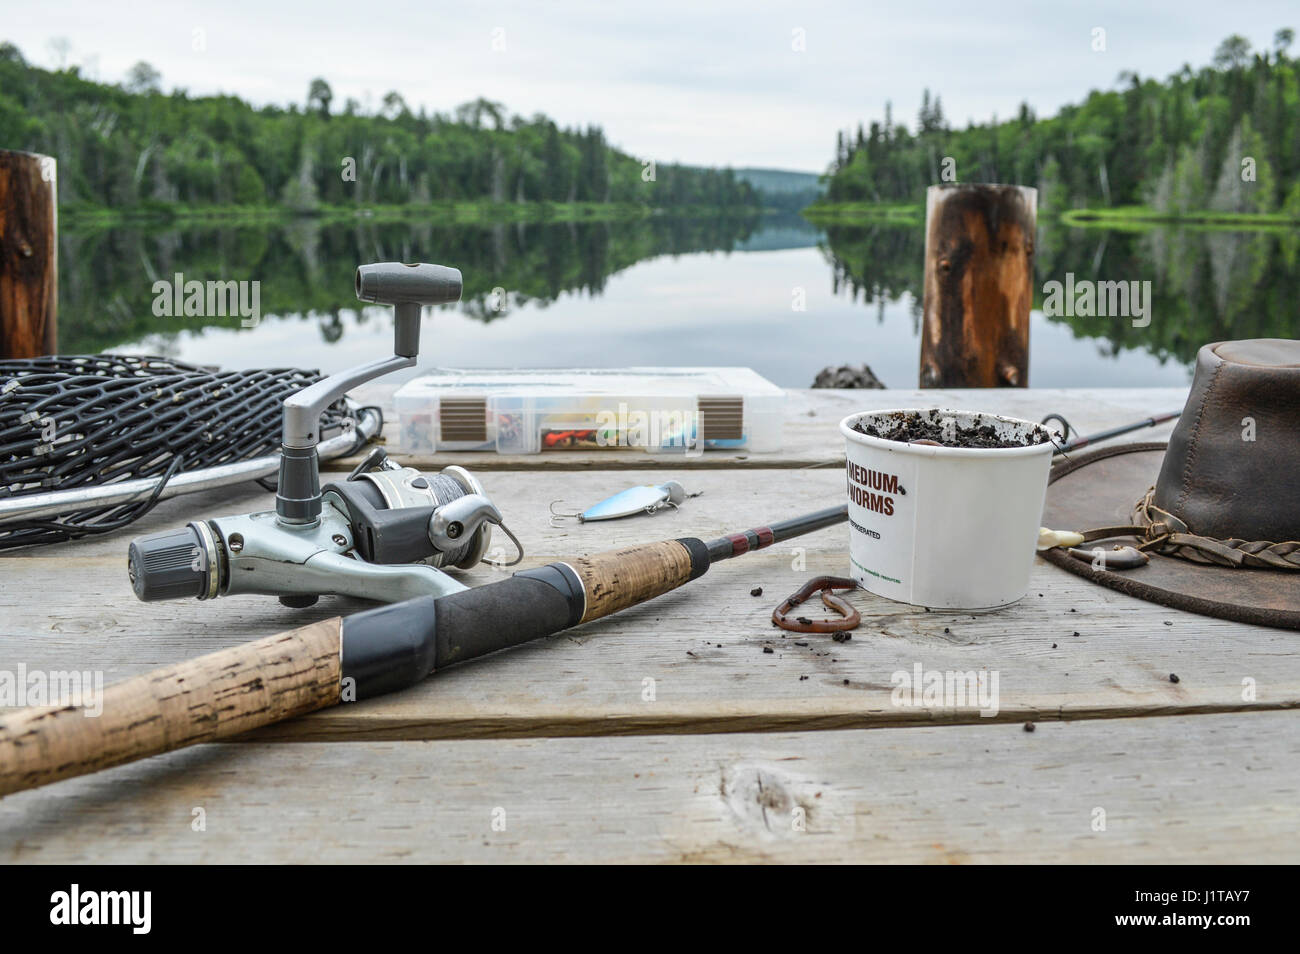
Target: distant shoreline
1134	217
469	212
849	212
1144	217
465	212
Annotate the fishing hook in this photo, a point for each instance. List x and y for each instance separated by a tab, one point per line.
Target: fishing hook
1064	423
559	516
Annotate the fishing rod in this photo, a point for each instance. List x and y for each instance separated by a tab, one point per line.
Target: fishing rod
367	654
1074	443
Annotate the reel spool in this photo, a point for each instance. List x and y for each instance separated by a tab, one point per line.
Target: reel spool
400	515
406	487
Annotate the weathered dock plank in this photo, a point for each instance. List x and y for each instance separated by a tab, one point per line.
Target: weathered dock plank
1204	789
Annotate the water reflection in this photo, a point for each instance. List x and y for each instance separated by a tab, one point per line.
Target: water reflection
703	291
305	268
1208	285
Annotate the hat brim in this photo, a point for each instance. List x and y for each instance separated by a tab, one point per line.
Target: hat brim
1099	489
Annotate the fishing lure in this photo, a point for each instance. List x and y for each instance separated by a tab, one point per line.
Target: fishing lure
646	498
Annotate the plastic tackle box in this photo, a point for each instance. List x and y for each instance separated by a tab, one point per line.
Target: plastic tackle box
544	410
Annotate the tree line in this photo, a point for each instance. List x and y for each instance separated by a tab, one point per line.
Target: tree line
132	146
1223	138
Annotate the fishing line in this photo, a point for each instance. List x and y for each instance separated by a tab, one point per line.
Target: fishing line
446	489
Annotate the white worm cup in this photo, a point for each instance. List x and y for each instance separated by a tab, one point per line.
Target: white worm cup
950	527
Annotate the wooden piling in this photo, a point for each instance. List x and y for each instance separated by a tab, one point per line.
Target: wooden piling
979	274
28	255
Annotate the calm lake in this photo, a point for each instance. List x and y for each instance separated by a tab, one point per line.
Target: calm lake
664	291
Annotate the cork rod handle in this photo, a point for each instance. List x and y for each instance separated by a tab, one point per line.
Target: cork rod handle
201	700
619	579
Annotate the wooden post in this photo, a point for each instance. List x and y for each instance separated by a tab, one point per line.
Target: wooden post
979	285
29	280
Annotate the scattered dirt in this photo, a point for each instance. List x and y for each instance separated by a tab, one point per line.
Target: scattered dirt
756	591
1029	727
927	428
1173	677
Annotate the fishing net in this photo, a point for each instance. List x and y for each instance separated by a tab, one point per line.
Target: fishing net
73	421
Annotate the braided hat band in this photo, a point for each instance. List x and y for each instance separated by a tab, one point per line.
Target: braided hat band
1162	532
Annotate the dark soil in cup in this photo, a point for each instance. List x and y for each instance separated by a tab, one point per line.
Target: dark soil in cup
929	429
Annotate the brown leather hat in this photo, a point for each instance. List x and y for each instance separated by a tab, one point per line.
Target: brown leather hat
1218	509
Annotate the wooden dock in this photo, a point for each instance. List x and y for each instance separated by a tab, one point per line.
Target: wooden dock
668	733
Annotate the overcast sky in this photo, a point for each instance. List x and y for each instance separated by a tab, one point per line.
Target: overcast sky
717	83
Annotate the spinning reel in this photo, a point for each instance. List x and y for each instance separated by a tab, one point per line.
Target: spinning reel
384	533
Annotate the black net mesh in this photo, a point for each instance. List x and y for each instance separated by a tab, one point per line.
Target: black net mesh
71	421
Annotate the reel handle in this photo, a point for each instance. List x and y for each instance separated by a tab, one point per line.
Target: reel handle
408	288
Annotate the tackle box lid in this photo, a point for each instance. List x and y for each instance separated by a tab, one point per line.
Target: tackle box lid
647	382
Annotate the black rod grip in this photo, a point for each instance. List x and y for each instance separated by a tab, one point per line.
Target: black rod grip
396	646
529	605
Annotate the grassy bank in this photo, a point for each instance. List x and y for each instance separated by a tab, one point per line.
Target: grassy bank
1133	217
1142	217
833	213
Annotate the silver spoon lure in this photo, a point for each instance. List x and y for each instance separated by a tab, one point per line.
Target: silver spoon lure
646	498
